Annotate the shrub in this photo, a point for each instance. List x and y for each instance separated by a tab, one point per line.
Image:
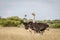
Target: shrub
11	21
55	25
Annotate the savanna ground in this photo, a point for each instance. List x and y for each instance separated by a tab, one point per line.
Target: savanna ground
16	33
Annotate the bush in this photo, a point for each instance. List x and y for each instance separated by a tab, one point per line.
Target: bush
55	25
11	21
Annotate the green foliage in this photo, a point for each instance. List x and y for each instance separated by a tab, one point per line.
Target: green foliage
11	21
56	25
16	21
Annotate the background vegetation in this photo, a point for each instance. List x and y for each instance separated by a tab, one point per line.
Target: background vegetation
16	21
10	21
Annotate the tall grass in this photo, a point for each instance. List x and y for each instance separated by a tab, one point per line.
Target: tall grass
15	33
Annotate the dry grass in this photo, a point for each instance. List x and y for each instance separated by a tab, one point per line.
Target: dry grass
14	33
